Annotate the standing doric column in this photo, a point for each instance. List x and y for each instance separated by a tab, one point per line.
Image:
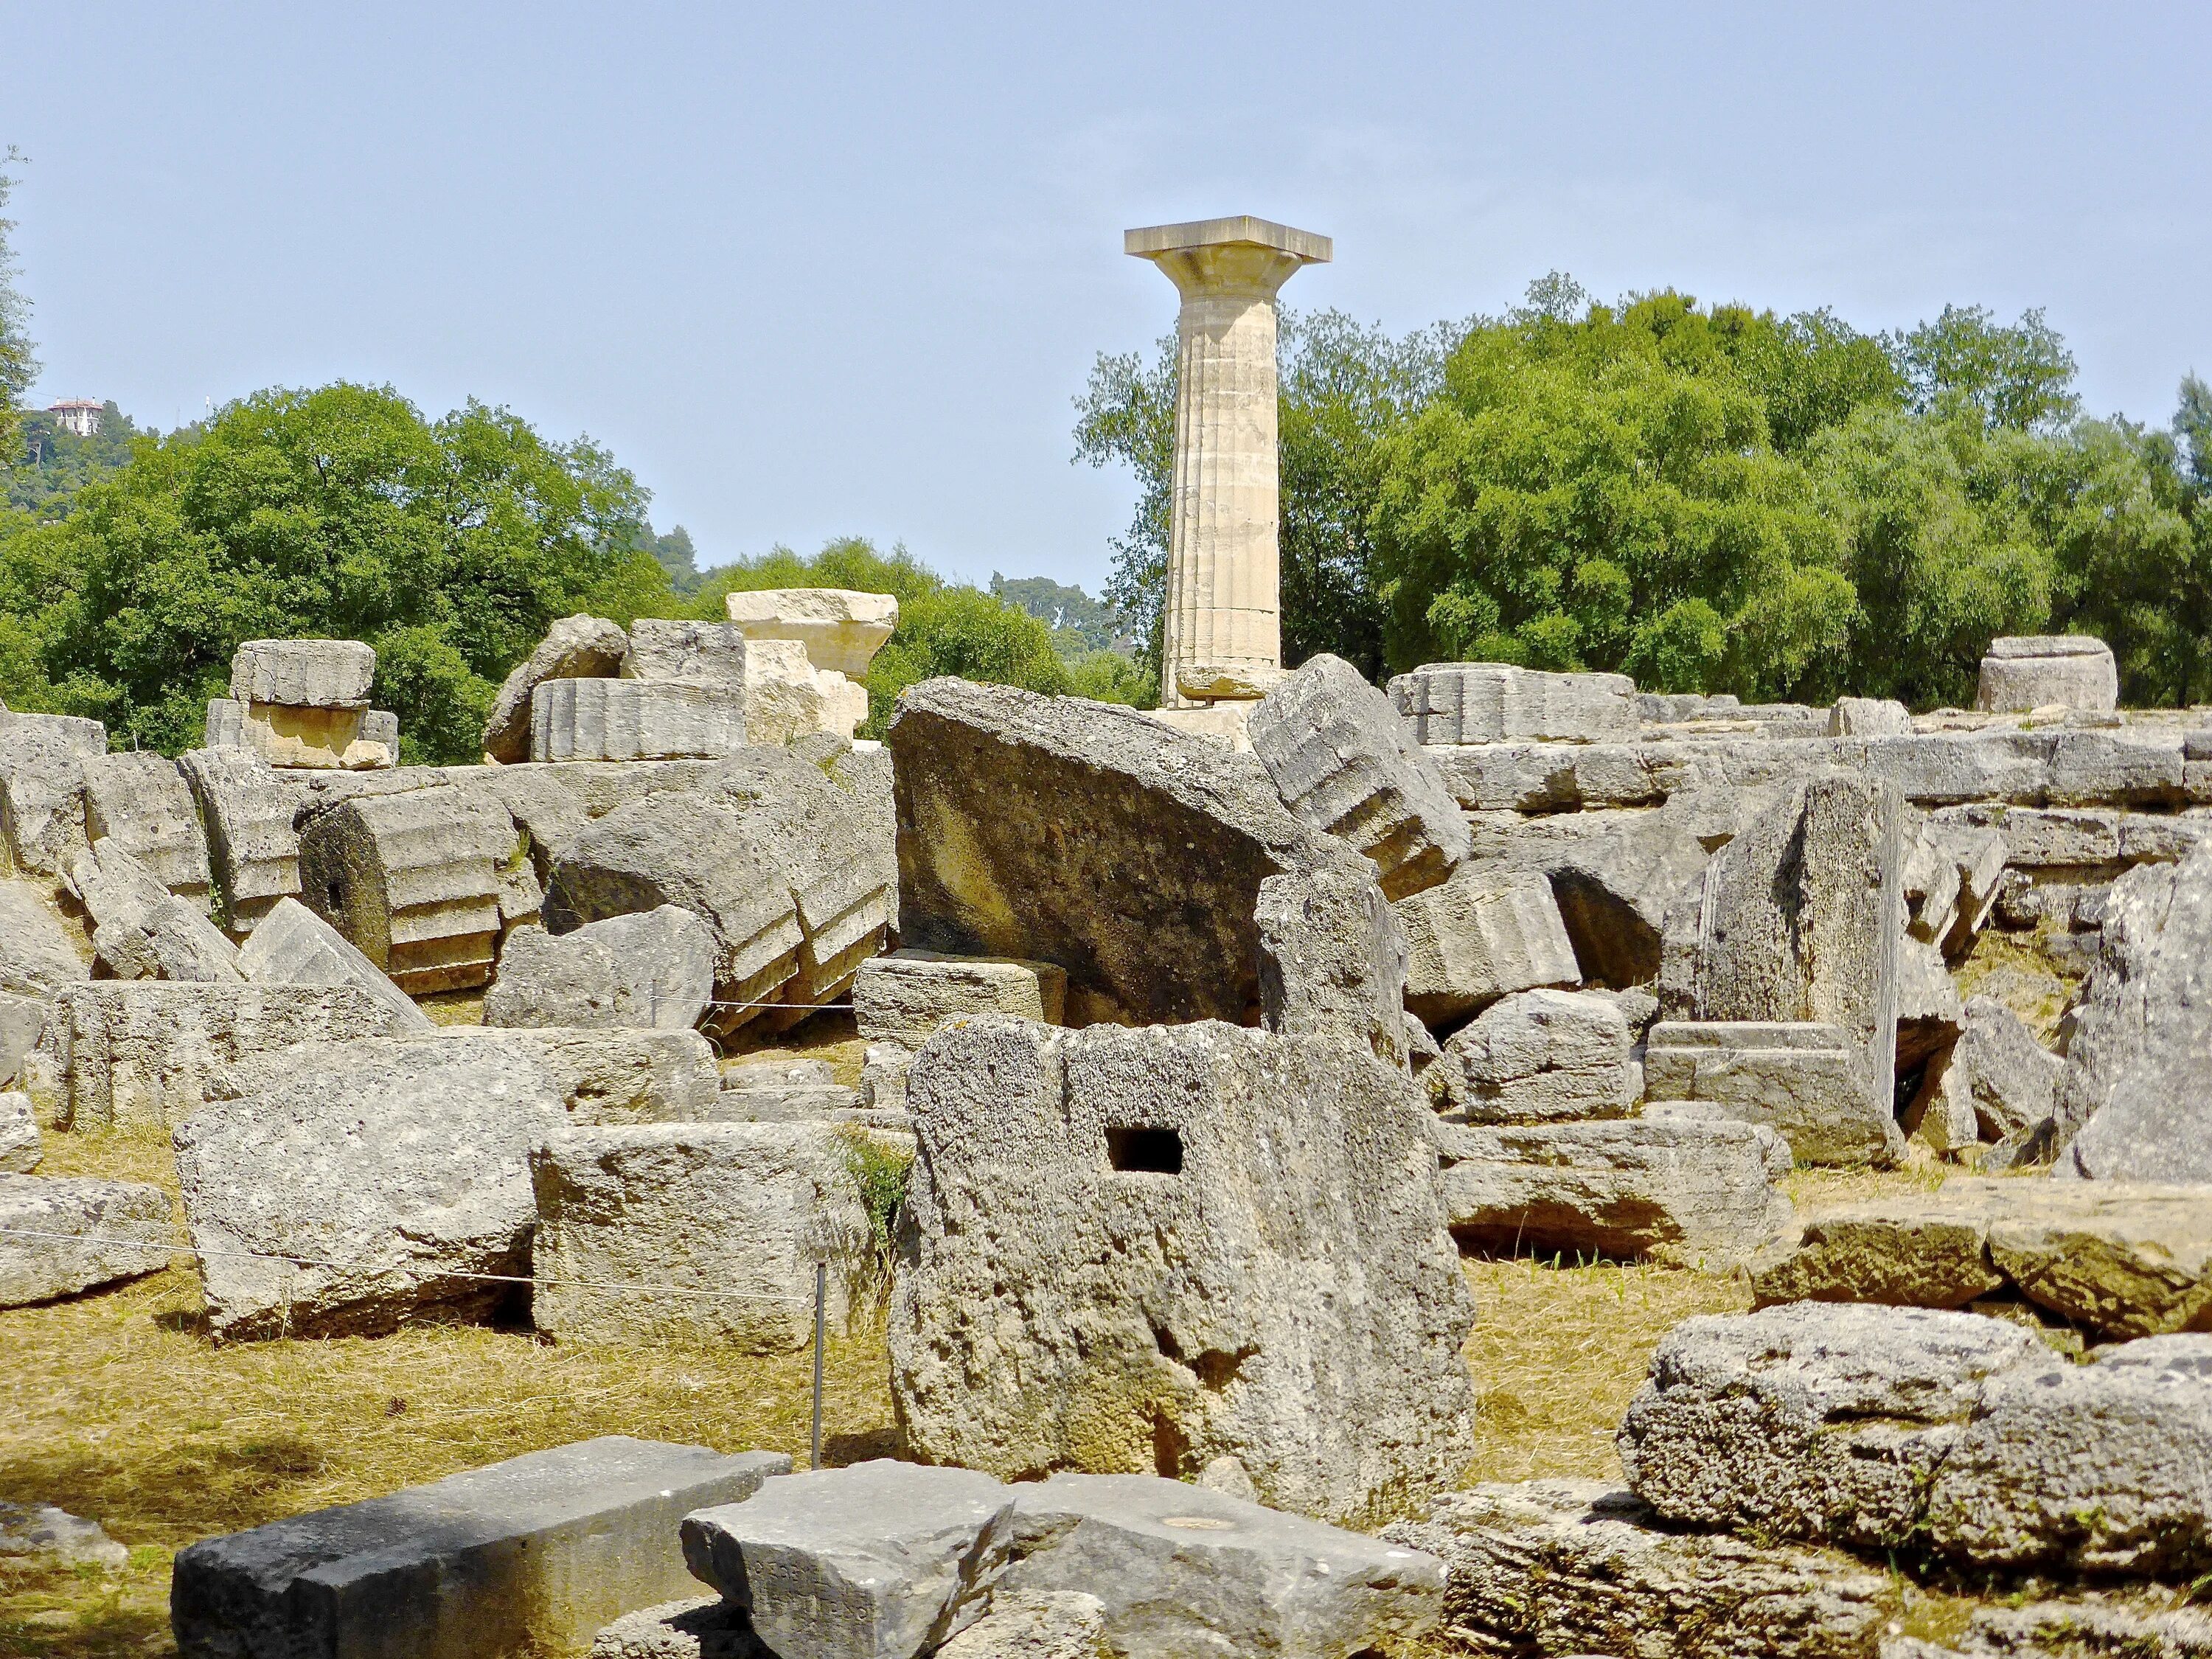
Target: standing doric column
1224	610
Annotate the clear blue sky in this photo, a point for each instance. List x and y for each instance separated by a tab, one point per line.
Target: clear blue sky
810	271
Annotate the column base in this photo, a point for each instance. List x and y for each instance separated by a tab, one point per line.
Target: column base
1205	682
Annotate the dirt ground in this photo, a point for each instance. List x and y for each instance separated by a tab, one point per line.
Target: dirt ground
116	1405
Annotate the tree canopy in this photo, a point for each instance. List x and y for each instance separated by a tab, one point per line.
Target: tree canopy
19	362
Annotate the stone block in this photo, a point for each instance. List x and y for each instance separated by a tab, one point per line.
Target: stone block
697	1627
1673	1188
399	1168
615	719
1346	763
1929	1015
733	1217
20	1151
39	951
1801	1079
880	1561
528	1556
1180	1570
303	673
1996	1080
2135	768
1940	768
248	810
1494	702
1046	1624
1583	1567
413	881
788	698
140	929
41	1535
1016	811
1332	961
144	1052
140	801
1539	1056
1132	1251
294	947
909	996
22	1017
60	1235
840	628
1869	717
42	760
2025	672
1480	935
704	653
651	968
311	738
579	647
381	726
1798	919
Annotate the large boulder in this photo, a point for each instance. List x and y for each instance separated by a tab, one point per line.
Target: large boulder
1139	1251
579	647
1332	961
140	930
254	850
2132	1094
140	801
39	951
1344	762
652	967
42	760
1539	1056
1016	813
350	1188
1480	935
293	945
61	1235
2069	670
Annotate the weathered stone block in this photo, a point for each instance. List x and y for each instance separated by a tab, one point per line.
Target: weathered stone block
733	1217
579	647
1869	717
869	1562
909	996
1132	1251
294	947
1346	763
700	652
140	929
1495	703
319	739
1332	961
21	1152
697	1627
652	967
528	1556
140	801
1689	1191
59	1236
1996	1080
42	760
413	881
248	813
1801	1079
1480	935
840	628
1538	1056
40	953
616	720
303	673
2025	672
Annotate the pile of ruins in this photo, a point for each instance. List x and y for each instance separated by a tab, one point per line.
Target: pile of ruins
1216	1034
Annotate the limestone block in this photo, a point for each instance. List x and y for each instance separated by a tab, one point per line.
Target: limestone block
804	1092
604	719
1134	1251
884	1071
2124	1259
2142	769
309	738
294	947
1996	1080
251	841
654	968
2131	1094
697	1627
102	1232
1226	724
909	996
20	1151
402	1162
1581	1566
1538	1056
1332	961
1801	1079
1814	1421
40	951
528	1556
1496	702
2070	670
2146	1619
226	725
1346	763
1688	1191
719	1211
579	647
698	652
1798	919
788	698
1929	1014
42	760
840	629
1180	1570
1017	812
21	1020
303	673
140	801
381	727
1869	717
413	881
877	1559
1480	935
49	1537
1045	1624
140	929
144	1052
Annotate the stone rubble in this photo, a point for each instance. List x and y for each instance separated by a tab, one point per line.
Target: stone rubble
579	647
650	968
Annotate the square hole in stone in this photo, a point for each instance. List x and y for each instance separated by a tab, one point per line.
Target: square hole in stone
1150	1151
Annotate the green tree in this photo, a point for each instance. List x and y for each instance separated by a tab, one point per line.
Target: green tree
54	463
19	362
2019	375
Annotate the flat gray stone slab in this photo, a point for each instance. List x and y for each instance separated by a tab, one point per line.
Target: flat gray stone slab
877	1561
536	1554
61	1235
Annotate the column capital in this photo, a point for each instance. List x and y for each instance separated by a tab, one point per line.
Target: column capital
1204	256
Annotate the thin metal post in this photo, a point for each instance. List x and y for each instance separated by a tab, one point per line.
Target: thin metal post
821	1298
